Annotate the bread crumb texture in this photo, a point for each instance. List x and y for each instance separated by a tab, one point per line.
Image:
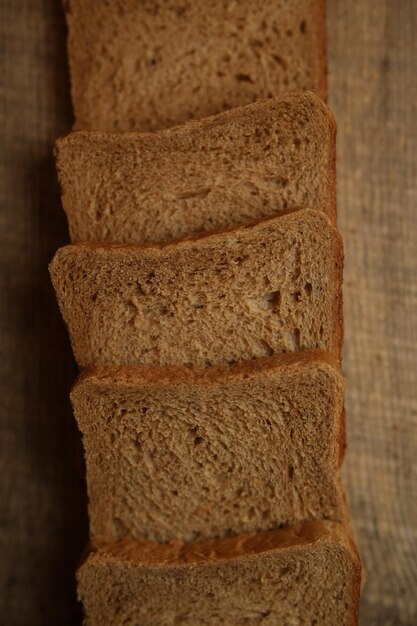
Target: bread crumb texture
263	289
194	453
308	574
249	163
152	64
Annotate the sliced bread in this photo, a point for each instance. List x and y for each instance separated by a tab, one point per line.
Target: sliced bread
148	65
193	453
242	165
269	287
307	574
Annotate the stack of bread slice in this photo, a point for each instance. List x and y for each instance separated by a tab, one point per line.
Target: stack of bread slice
203	297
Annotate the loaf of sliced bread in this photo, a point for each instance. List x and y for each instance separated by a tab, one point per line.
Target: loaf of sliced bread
192	453
245	164
306	574
269	287
148	65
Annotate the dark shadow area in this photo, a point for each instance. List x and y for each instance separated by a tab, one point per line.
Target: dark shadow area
43	519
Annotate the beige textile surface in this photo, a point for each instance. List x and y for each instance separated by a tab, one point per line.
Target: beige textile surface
373	92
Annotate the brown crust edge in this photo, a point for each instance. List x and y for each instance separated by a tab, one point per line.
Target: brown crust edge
174	374
191	239
339	345
208	551
357	579
338	310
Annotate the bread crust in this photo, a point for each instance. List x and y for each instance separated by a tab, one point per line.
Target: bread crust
243	546
134	376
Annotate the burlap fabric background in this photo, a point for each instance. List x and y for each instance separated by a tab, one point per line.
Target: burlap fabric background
373	92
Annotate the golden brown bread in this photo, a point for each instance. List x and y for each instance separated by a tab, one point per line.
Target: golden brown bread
251	162
149	65
306	574
192	453
265	288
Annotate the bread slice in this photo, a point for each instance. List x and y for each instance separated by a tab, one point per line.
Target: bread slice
148	65
257	290
193	453
306	574
245	164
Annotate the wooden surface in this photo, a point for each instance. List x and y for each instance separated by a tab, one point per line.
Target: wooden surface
373	92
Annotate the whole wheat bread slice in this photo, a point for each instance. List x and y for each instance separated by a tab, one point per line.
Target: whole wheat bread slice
269	287
147	65
252	162
193	453
306	574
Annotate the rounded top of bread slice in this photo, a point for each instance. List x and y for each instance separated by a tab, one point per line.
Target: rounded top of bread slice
248	163
265	288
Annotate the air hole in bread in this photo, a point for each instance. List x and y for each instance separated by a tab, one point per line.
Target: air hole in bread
264	348
244	78
297	335
242	259
256	43
280	182
266	302
293	340
280	61
120	528
196	193
272	300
